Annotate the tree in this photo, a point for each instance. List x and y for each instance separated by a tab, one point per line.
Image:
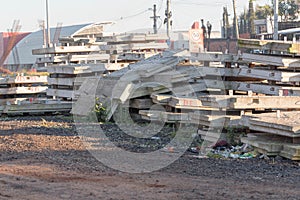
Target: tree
226	22
251	17
243	22
288	10
263	12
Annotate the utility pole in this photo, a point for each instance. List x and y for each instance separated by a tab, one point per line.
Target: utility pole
154	19
275	36
48	28
168	14
236	26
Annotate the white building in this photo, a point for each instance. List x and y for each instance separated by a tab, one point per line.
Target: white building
263	26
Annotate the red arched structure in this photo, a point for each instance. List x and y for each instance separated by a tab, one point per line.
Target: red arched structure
8	40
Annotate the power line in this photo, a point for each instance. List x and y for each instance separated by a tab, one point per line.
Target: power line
134	15
184	2
160	5
160	25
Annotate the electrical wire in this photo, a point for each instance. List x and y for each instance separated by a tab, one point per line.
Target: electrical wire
131	16
186	2
160	6
198	4
160	25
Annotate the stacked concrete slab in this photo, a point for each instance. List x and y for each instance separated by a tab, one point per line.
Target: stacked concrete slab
20	88
211	90
21	94
80	58
277	134
75	57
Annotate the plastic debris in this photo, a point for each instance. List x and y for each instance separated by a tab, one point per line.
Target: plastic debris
234	156
223	150
194	150
246	156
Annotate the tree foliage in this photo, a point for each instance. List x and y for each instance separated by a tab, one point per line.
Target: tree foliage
288	10
263	12
248	16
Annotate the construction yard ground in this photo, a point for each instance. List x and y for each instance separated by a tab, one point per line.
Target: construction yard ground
43	158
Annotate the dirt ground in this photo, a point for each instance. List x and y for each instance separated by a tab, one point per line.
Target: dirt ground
43	158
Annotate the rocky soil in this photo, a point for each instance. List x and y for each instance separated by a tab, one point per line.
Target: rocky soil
44	158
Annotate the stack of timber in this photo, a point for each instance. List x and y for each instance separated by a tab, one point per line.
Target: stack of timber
21	94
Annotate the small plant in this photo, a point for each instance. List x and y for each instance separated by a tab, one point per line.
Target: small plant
214	156
100	111
234	135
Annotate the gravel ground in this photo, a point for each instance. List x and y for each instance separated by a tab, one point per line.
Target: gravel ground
43	158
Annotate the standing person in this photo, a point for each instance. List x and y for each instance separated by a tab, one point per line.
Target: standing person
204	32
209	26
203	28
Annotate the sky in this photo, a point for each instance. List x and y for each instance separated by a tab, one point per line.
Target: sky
127	14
